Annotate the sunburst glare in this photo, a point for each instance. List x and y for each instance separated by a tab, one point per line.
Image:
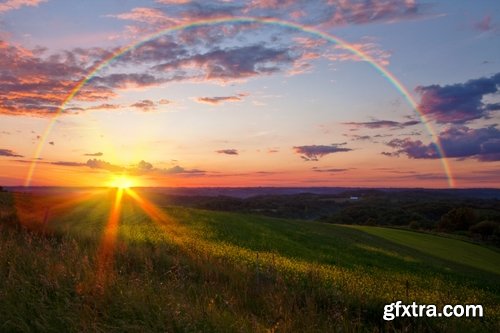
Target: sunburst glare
122	182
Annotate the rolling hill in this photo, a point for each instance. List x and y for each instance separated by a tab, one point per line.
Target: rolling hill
115	260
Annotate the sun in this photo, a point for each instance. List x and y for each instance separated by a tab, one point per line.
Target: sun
122	182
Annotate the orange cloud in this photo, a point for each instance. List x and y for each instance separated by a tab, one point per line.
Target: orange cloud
32	83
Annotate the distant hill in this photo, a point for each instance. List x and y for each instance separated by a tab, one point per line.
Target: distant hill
247	192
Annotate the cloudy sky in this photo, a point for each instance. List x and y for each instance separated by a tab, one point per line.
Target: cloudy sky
300	93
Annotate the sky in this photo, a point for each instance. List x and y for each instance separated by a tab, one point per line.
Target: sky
372	93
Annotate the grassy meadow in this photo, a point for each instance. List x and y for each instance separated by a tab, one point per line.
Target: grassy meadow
121	261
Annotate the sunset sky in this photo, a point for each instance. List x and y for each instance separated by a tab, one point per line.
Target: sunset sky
188	93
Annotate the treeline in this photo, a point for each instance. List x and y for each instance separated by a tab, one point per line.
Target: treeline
428	210
478	219
296	206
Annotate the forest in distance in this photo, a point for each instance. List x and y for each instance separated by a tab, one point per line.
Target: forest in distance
469	214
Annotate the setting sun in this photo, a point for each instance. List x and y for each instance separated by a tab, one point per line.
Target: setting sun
122	182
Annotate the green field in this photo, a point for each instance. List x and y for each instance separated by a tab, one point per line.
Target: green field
154	267
440	247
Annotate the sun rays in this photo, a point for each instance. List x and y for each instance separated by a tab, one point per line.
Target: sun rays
123	182
39	211
107	247
43	212
35	211
155	213
108	242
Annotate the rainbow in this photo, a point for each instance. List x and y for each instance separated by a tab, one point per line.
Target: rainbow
234	20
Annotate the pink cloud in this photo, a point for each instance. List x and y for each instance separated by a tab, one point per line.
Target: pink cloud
227	151
104	106
271	4
16	4
145	105
9	153
366	46
482	144
333	12
460	103
350	12
170	2
146	15
485	24
36	84
220	99
224	64
375	124
315	152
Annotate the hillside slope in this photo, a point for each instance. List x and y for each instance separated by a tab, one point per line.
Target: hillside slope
124	263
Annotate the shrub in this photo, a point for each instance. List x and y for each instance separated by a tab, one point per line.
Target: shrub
371	222
414	225
486	229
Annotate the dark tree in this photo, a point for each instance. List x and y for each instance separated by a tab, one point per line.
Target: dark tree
485	229
371	221
457	219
